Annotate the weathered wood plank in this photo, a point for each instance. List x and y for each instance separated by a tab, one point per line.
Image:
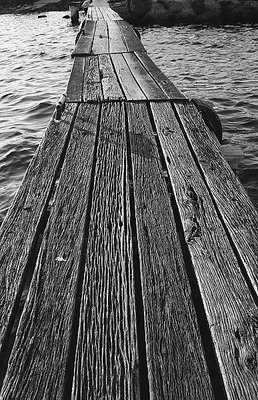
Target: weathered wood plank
108	16
110	85
106	363
92	90
129	85
89	28
116	43
99	13
115	15
101	42
148	85
89	14
167	86
235	206
84	44
94	14
38	362
131	39
74	87
175	358
231	310
21	226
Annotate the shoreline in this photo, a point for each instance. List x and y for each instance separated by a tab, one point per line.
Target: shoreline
156	16
161	15
37	7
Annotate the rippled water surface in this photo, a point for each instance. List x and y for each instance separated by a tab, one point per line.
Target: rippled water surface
217	64
35	64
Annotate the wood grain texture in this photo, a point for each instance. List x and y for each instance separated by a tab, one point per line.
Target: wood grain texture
92	90
20	228
129	85
101	41
89	14
106	363
94	14
84	44
105	14
110	15
235	206
74	87
116	43
99	13
167	86
175	358
230	308
147	84
38	362
131	39
110	85
115	15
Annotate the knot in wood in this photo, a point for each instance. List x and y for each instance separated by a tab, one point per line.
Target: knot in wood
250	360
167	131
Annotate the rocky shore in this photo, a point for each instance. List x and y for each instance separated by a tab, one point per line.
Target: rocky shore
170	12
161	12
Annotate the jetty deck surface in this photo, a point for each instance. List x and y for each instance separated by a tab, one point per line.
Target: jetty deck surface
129	257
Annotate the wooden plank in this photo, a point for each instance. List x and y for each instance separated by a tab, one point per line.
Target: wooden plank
94	14
116	43
235	206
99	13
107	14
115	15
100	43
149	87
21	226
110	85
89	29
231	310
84	44
175	358
38	362
74	87
131	39
106	362
89	14
92	90
127	81
167	86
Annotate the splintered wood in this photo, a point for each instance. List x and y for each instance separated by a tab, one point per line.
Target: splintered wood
128	259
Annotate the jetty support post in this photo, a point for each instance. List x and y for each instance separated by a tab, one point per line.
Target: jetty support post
74	8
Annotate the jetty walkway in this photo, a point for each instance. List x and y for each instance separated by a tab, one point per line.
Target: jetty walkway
129	257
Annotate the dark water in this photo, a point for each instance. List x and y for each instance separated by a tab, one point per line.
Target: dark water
217	64
35	64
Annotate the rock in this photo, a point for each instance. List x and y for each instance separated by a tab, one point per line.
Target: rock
192	11
66	16
139	7
42	16
210	117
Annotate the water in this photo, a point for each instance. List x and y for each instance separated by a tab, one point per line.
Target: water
36	62
217	64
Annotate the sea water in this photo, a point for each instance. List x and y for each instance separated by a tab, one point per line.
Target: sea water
219	64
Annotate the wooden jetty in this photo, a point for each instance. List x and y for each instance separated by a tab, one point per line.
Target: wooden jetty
129	257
